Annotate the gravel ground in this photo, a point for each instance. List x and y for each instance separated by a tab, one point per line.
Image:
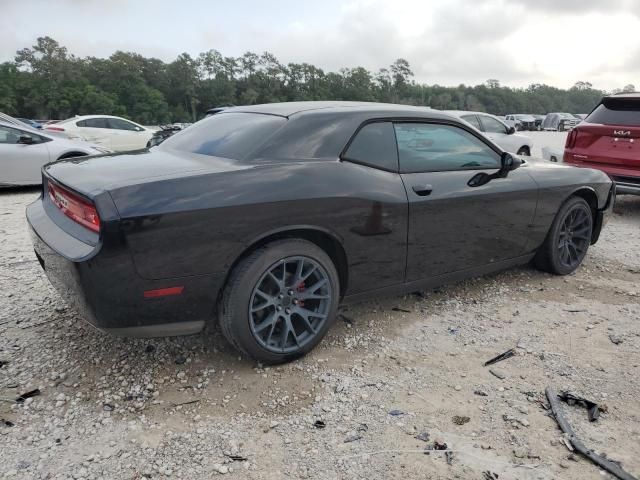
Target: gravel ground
393	378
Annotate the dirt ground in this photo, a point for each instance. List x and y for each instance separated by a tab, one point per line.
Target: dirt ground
394	377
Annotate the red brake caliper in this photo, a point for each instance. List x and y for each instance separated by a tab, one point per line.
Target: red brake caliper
300	288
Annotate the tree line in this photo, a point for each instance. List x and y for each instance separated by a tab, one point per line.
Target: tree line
45	81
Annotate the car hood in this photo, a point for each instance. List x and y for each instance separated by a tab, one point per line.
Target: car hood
97	174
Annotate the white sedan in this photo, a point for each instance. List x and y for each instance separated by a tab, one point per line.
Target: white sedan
24	150
501	134
114	133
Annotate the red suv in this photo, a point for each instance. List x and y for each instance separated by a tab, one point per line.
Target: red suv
609	140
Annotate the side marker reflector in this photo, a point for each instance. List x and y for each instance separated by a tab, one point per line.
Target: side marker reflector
163	292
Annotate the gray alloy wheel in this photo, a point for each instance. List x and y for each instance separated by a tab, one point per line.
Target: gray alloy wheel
289	304
280	301
568	239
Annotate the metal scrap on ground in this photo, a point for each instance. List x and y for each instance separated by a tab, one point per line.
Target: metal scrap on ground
604	463
503	356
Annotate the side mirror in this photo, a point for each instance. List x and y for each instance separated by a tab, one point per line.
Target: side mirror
509	162
511	130
26	140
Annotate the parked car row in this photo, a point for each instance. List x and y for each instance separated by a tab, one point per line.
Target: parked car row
552	121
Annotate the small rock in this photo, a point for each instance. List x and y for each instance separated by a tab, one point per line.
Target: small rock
460	420
615	339
497	373
180	359
424	436
520	452
352	438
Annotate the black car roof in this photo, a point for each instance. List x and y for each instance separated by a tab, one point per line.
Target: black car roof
288	109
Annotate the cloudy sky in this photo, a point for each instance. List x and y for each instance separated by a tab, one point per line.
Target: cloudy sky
448	42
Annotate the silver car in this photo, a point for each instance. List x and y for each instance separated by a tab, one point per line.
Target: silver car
24	150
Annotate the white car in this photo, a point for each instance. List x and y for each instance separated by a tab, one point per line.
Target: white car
24	150
497	131
114	133
553	154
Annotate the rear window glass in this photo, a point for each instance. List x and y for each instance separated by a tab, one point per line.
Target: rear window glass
617	111
375	145
228	135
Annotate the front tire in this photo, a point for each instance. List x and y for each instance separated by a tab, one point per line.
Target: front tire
280	301
568	239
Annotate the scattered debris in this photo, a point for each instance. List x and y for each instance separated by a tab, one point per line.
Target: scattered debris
180	359
460	420
576	310
615	339
236	458
107	407
348	320
437	445
29	394
396	413
497	373
185	403
352	438
606	464
449	456
503	356
3	363
150	348
481	393
363	427
424	436
593	409
6	423
487	475
398	309
319	424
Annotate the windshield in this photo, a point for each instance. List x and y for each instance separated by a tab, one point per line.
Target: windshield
228	135
617	111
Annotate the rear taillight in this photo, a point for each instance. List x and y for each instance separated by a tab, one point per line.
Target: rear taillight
77	209
54	129
571	138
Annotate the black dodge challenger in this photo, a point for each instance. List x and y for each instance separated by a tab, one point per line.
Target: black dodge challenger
268	216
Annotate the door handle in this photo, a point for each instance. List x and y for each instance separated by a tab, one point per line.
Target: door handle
422	190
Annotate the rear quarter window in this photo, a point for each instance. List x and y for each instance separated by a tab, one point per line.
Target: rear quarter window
228	135
617	111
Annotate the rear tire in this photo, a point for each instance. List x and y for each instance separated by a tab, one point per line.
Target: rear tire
568	239
272	308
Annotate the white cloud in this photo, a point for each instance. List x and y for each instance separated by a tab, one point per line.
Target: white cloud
446	41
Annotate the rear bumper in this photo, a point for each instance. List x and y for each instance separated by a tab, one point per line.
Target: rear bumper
627	186
102	285
627	179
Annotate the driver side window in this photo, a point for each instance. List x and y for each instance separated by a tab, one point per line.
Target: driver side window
426	147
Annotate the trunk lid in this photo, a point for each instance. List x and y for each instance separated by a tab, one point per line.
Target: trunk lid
92	175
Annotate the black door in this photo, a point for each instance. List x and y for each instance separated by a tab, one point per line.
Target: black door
453	226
